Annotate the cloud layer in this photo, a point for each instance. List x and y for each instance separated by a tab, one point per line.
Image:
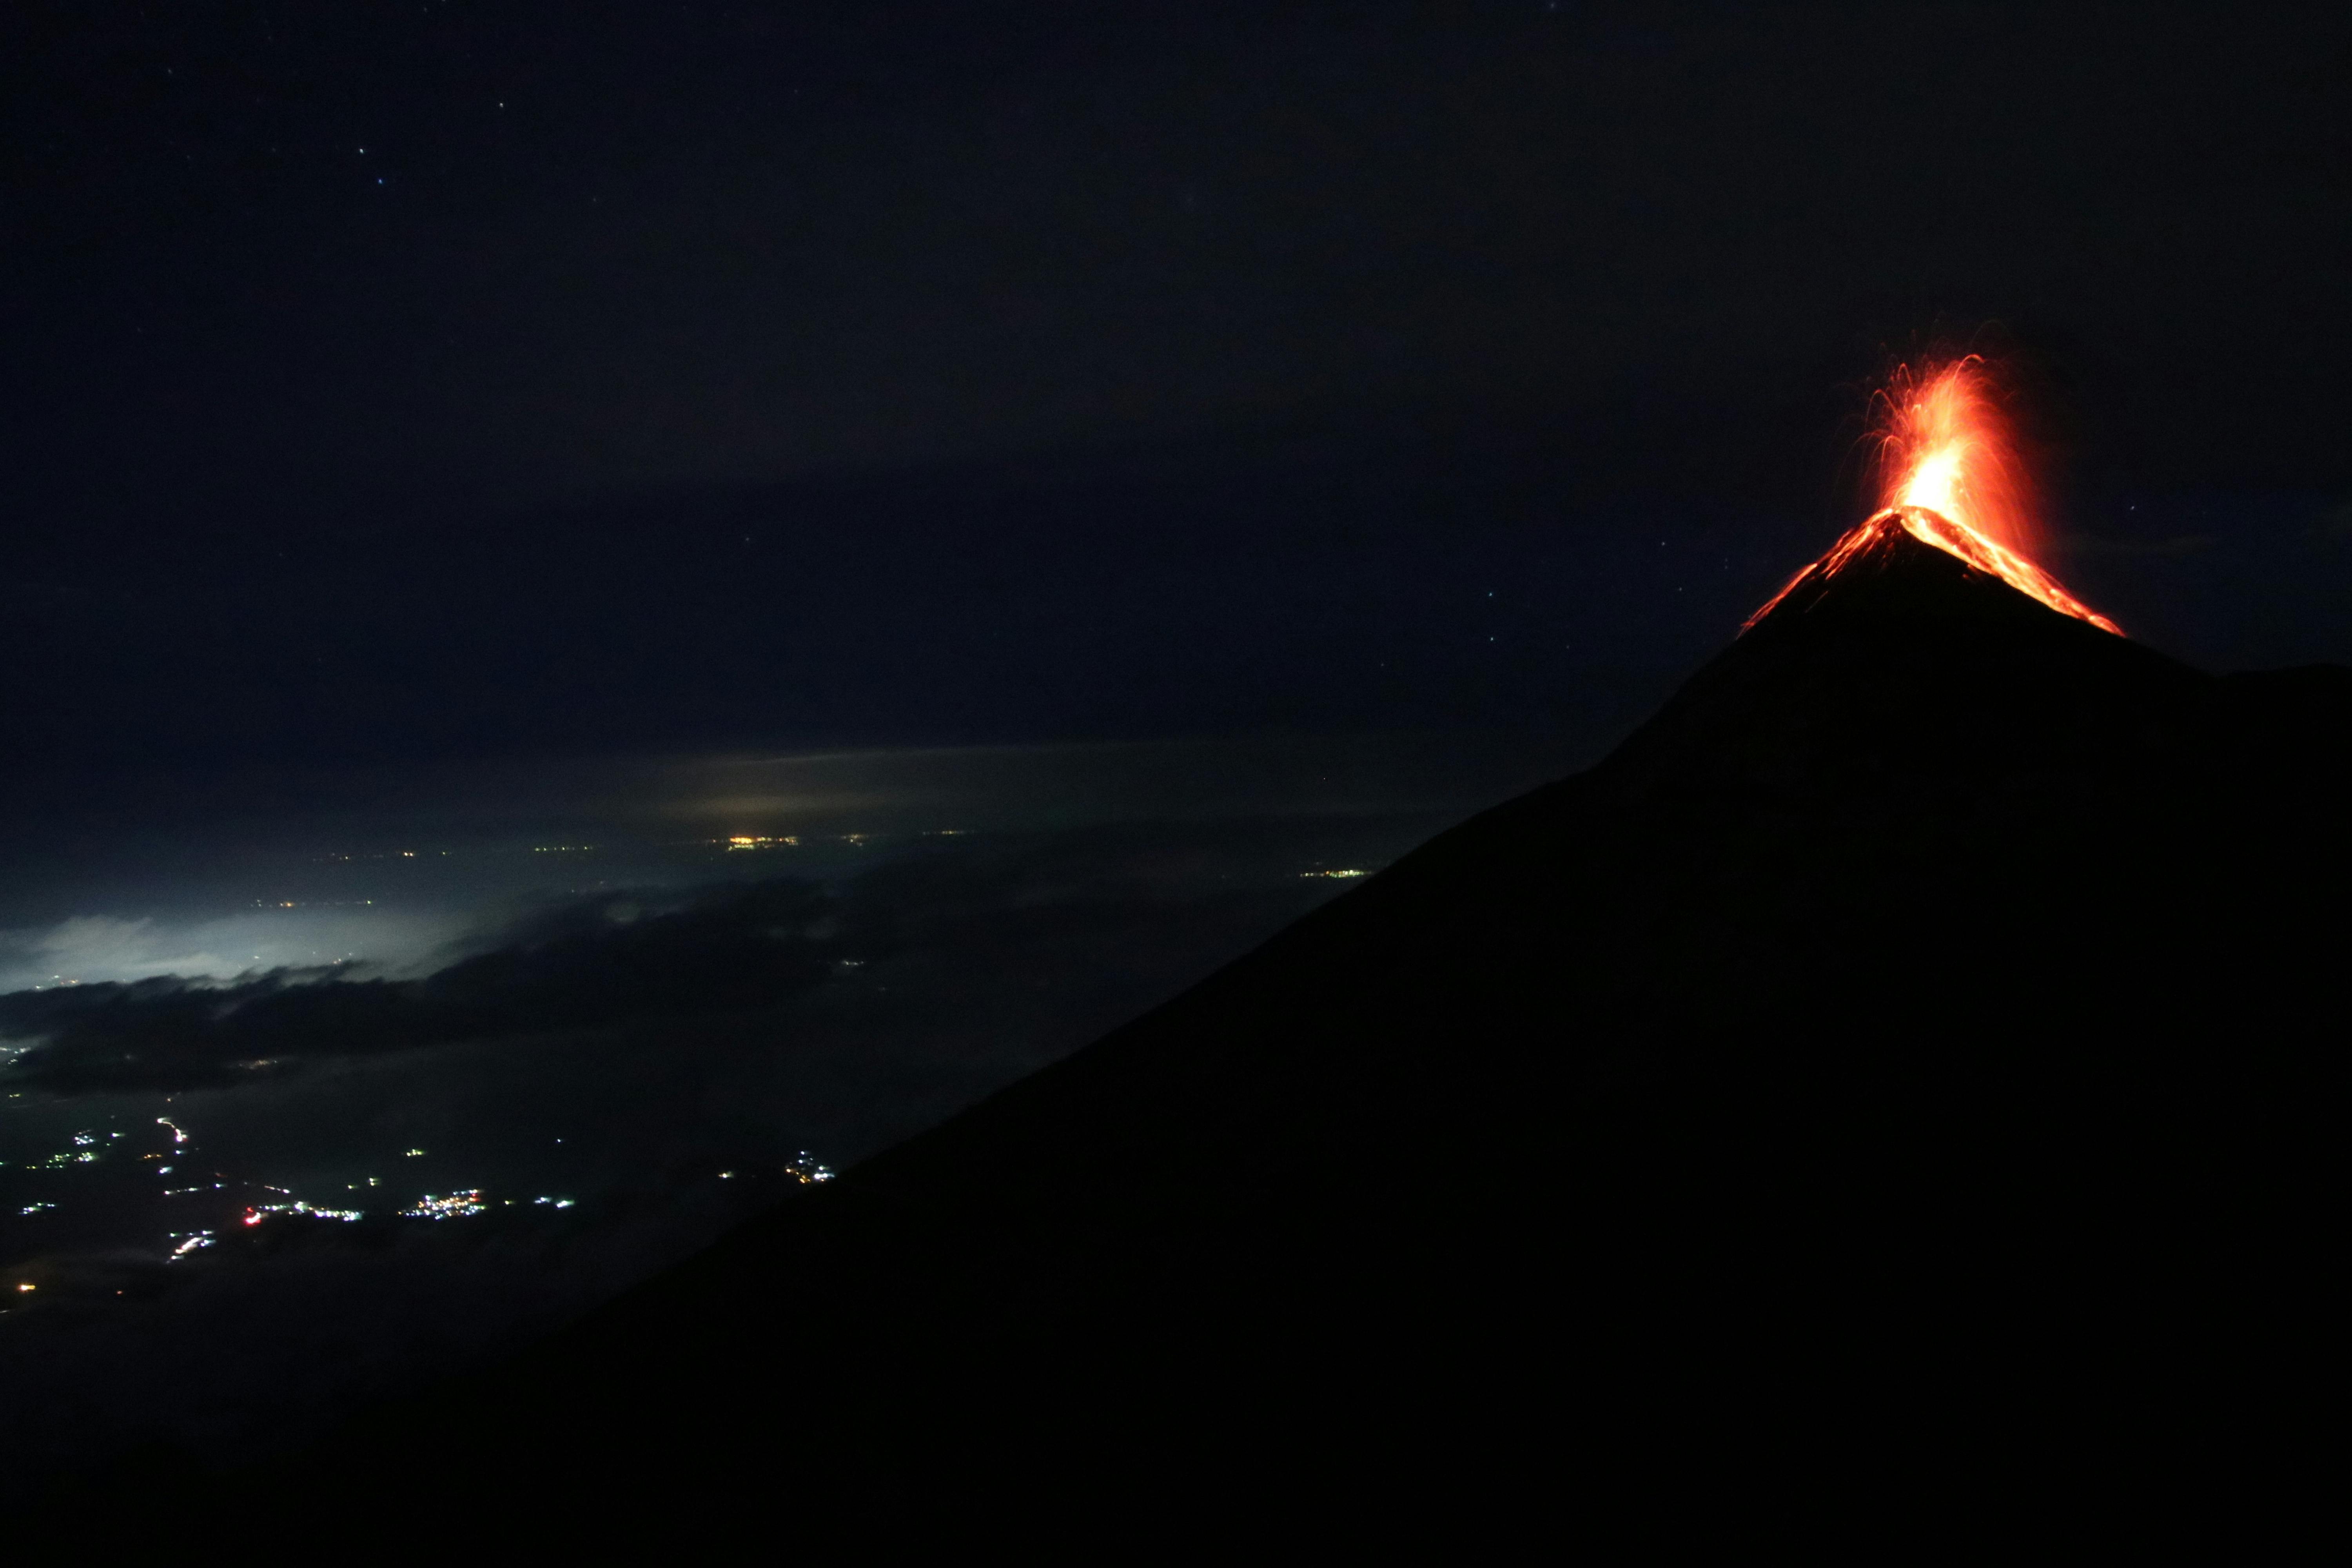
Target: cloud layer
599	960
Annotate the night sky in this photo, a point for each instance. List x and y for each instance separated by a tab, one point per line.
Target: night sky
443	380
1186	450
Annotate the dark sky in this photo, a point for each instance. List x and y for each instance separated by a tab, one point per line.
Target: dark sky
423	380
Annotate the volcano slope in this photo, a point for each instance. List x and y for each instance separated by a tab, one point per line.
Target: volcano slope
1917	1042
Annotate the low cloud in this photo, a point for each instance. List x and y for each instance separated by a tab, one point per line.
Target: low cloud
87	950
118	948
595	961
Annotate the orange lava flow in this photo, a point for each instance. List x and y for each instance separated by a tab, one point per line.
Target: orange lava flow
1951	479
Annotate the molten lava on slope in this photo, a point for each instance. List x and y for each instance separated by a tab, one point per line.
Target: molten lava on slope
1952	479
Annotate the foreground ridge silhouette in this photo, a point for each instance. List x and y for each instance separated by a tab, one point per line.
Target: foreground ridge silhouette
1912	1053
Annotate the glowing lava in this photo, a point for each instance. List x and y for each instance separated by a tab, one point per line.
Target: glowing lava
1952	479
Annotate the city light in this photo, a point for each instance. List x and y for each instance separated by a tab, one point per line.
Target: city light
455	1205
259	1211
255	1202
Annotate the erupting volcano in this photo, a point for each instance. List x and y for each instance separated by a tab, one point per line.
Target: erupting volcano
1926	1024
1950	478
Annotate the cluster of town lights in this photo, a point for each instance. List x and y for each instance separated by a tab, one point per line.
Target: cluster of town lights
89	1144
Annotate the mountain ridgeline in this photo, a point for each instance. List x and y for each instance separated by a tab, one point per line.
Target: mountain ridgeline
1924	1028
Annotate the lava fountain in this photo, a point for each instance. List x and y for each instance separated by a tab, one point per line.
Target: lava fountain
1950	476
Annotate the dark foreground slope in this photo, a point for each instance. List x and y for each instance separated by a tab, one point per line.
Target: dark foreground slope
1912	1053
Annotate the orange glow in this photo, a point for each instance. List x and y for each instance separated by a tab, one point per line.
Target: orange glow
1950	476
1944	446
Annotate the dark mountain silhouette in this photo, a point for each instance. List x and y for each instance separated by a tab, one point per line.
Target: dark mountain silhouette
1906	1069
